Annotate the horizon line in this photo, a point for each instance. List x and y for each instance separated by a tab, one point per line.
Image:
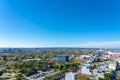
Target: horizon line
64	47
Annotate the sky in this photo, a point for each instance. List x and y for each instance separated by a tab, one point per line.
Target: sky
60	23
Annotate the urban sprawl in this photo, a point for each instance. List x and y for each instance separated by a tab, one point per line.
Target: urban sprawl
59	64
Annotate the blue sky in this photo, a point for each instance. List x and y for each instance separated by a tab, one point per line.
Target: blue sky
59	23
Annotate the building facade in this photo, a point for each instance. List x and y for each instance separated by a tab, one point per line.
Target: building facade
71	76
63	58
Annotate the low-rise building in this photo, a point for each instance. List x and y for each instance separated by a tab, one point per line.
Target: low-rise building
85	70
112	65
62	58
71	76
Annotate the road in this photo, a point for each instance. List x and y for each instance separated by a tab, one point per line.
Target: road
41	75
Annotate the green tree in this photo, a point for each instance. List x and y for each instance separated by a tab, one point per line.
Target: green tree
1	72
100	78
19	76
44	67
107	76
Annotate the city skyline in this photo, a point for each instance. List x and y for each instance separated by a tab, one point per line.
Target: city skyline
64	23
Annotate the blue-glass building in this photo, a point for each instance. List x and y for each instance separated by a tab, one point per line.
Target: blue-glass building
63	58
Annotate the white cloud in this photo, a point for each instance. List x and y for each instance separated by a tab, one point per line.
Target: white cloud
108	44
